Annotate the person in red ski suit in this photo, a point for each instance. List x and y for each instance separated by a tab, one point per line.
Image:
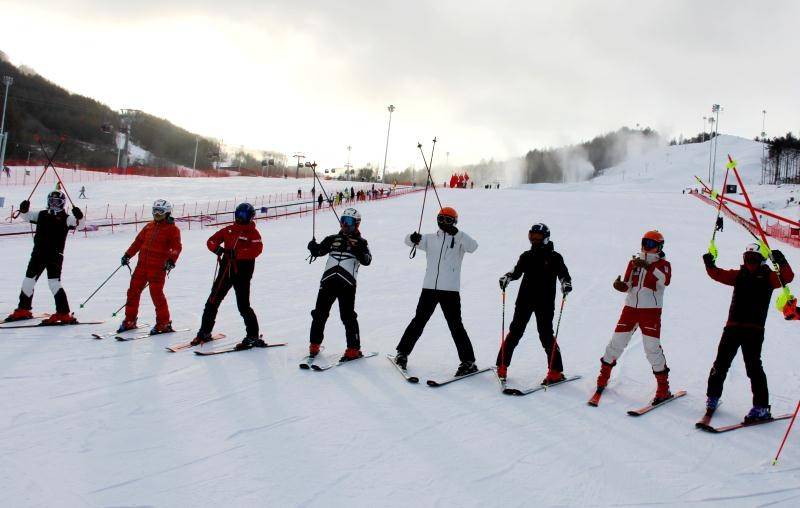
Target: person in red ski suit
158	245
646	277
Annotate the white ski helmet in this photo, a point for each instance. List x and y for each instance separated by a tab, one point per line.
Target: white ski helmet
350	219
161	208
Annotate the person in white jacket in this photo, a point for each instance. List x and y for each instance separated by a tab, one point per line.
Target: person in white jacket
445	251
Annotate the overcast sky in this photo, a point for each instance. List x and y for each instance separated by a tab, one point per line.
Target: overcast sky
489	78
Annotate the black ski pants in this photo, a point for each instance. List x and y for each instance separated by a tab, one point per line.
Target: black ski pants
236	275
750	340
329	291
36	266
544	325
450	302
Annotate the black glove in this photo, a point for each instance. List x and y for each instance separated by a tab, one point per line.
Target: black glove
126	259
219	250
25	206
505	280
566	287
415	238
312	246
77	213
778	257
169	265
708	260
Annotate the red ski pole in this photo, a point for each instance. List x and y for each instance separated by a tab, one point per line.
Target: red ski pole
555	337
775	460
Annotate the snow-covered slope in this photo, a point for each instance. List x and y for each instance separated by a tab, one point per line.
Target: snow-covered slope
99	423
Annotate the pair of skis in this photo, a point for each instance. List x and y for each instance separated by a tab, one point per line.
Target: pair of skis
12	325
594	401
432	382
705	423
309	362
519	392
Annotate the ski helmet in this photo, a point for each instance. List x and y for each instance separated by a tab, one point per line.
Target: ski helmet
653	241
752	254
540	229
161	208
244	213
350	220
56	201
447	217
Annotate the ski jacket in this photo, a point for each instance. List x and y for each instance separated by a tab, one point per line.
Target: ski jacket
646	285
51	231
345	254
539	268
156	243
444	253
752	292
243	241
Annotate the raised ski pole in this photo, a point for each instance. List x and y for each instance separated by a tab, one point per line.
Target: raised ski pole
783	442
327	198
710	191
126	302
712	247
44	171
101	285
503	332
50	163
425	194
555	336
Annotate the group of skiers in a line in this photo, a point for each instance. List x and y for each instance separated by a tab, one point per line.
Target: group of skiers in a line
541	268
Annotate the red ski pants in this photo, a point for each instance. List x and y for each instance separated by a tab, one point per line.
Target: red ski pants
140	279
649	320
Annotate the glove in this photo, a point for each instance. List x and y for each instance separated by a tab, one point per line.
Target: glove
505	280
169	265
219	250
566	287
778	257
312	246
126	259
708	260
77	213
25	206
640	263
620	286
415	238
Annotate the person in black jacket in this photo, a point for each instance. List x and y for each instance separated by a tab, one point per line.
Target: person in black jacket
346	250
52	226
539	268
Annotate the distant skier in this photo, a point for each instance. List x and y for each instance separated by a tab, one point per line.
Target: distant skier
319	201
540	267
52	226
445	251
646	277
753	284
82	194
346	251
158	245
237	246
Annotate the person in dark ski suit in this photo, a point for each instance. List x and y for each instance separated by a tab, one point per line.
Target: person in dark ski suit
753	284
346	251
539	268
52	226
237	246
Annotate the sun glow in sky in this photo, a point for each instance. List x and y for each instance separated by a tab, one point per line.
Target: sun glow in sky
491	79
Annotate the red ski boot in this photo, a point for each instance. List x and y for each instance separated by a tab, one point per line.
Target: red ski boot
19	315
553	376
662	391
502	371
605	374
60	318
351	354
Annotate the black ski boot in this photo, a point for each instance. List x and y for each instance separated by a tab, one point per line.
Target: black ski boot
466	368
401	360
251	342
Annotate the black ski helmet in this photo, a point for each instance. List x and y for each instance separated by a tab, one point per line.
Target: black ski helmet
244	213
56	201
541	229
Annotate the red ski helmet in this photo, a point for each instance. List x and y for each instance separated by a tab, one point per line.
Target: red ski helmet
653	241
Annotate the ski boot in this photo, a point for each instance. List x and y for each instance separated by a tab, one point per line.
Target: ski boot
163	328
126	325
19	315
466	368
201	338
251	342
401	360
351	354
662	391
60	318
313	350
605	374
502	371
553	376
758	414
712	403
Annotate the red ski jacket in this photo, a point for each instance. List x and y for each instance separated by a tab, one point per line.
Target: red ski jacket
156	243
752	292
243	240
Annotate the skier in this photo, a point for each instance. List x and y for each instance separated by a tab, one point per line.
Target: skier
346	251
52	226
319	201
82	194
753	284
237	246
540	265
158	245
445	251
646	277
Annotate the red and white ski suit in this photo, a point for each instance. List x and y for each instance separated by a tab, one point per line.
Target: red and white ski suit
156	243
645	297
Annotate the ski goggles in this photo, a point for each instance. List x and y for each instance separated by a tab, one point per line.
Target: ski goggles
159	211
446	220
349	222
649	244
55	203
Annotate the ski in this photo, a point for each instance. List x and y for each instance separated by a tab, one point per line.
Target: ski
42	325
534	389
433	383
105	335
180	346
404	372
321	368
146	335
231	348
706	419
740	425
650	407
35	316
307	361
595	400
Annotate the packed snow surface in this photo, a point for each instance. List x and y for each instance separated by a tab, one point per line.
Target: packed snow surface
106	423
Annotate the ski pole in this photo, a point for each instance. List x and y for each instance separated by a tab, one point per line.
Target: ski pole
712	247
126	302
775	460
101	285
425	194
16	214
555	336
503	332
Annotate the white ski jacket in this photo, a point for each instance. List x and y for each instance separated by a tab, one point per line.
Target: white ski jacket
444	253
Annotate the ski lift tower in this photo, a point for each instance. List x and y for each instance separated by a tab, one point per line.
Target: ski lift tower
126	120
7	81
300	156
